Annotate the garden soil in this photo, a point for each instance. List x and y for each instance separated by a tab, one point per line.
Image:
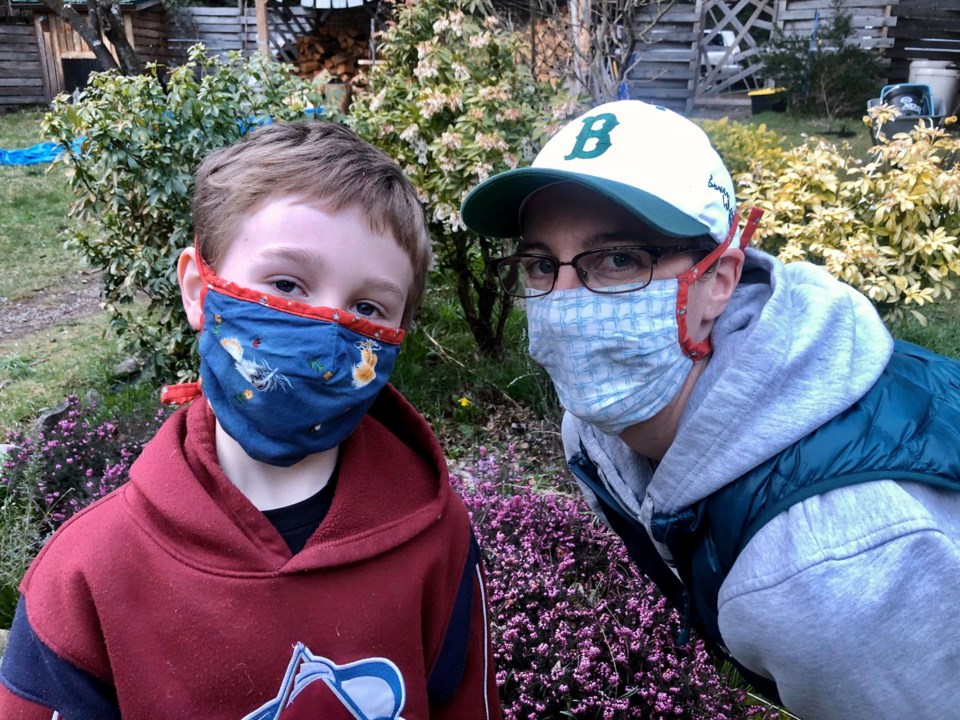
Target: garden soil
76	296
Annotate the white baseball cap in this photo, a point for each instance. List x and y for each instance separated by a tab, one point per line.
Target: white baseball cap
649	160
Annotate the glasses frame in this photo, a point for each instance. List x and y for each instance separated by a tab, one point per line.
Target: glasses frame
656	252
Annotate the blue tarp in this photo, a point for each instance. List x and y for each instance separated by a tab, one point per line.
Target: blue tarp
42	153
48	152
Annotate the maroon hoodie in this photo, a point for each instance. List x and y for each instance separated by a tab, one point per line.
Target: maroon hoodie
174	597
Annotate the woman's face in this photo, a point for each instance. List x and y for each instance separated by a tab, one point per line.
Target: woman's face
565	219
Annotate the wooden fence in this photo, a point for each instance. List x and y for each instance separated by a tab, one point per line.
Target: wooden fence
21	66
925	30
670	69
235	29
150	37
41	55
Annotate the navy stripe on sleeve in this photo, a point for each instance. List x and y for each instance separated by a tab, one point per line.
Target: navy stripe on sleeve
452	660
33	671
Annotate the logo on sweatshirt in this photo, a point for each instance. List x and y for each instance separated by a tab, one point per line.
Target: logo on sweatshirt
315	687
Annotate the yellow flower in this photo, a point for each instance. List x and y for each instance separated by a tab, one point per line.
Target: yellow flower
950	120
463	402
248	394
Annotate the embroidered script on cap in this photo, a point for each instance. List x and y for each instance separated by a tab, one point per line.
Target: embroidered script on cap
650	160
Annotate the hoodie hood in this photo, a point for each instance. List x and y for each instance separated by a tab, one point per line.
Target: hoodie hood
392	485
794	348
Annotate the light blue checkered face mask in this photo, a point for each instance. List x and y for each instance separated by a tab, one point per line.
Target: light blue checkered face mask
618	359
615	360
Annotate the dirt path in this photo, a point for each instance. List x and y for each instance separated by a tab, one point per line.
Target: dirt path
77	295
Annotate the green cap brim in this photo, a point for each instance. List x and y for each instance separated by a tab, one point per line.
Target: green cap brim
492	209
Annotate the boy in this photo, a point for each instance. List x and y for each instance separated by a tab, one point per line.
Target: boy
288	546
783	470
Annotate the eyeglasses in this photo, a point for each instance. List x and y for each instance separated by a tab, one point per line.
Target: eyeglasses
608	270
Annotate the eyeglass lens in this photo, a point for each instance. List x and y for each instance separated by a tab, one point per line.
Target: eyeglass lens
618	269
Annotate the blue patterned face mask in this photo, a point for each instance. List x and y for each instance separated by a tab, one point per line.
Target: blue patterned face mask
286	380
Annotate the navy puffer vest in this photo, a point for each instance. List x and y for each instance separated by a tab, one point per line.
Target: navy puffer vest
907	427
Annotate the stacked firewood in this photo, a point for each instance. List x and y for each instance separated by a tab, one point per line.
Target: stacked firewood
335	50
553	55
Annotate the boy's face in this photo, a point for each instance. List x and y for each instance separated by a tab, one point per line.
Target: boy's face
290	249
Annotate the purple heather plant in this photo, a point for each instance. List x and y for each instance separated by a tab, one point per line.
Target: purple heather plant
578	632
72	464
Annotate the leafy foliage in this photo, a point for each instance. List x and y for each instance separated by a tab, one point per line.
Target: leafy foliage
888	226
440	367
745	147
453	105
135	143
830	75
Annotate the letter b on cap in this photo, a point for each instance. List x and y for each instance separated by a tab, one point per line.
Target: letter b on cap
598	129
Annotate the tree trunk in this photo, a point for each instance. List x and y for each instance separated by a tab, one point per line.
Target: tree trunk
484	306
112	22
89	32
103	20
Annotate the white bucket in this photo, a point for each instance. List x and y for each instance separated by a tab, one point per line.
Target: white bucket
923	64
941	78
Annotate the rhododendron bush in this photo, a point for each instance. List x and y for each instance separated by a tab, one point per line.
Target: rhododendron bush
454	102
578	632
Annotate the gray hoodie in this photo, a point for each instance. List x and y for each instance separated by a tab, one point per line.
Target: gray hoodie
850	600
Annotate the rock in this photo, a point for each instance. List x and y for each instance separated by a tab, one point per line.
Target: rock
126	369
92	398
49	418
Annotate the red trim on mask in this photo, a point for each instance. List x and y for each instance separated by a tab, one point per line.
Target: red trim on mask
693	350
347	319
180	394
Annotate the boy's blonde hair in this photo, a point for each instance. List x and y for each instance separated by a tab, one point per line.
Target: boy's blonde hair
323	164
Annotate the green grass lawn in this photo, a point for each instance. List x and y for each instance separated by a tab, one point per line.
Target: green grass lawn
20	129
34	199
796	130
72	356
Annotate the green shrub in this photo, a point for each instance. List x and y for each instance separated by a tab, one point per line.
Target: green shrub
453	103
132	179
459	389
835	77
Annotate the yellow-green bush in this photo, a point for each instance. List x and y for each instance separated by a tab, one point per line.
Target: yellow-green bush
887	225
745	148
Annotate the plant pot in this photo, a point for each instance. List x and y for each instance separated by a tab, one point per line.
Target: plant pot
768	100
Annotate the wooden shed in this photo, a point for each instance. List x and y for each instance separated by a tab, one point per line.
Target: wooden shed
41	55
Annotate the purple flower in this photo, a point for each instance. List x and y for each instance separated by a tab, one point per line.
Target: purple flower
578	632
76	462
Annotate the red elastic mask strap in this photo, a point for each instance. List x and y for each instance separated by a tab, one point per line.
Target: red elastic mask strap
697	351
207	276
180	394
187	392
752	221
